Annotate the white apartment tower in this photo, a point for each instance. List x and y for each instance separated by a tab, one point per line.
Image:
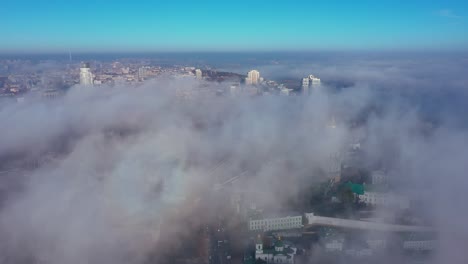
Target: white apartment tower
143	72
305	86
253	77
86	76
310	82
198	74
314	81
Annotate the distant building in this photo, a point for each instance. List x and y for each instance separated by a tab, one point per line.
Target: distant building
385	199
280	252
50	94
278	223
198	74
377	244
420	245
305	86
285	91
86	76
378	177
361	252
310	83
333	245
253	77
419	242
143	72
125	70
234	89
314	81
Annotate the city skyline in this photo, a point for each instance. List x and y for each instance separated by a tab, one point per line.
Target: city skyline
121	26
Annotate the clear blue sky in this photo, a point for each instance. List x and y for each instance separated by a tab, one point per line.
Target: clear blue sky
223	25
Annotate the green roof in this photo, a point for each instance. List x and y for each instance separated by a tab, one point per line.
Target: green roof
356	188
279	243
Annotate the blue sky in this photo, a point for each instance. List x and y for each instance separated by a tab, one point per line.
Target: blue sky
176	25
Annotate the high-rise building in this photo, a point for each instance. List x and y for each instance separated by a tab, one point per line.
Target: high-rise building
86	76
143	72
198	74
305	86
314	81
310	82
253	77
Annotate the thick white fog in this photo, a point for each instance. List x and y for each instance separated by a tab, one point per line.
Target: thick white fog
110	163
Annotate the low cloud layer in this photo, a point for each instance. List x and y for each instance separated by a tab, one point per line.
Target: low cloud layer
106	166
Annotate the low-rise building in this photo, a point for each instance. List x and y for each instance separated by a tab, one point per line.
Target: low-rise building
378	177
280	252
377	244
365	252
421	245
385	199
276	223
285	91
333	245
419	242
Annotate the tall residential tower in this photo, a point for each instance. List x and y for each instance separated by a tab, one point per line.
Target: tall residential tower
253	77
198	74
86	76
311	82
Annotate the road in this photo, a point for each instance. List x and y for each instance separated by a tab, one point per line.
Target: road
356	224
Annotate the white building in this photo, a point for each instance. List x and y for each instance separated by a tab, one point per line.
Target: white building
285	91
310	82
305	86
86	76
125	70
280	223
378	177
385	199
279	254
253	77
377	244
421	245
143	72
234	89
314	81
364	252
198	74
334	245
310	218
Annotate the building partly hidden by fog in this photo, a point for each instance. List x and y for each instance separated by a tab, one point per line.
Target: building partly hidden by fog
253	77
310	82
198	74
143	72
86	76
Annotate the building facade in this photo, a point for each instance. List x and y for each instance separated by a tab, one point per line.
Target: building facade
420	245
198	74
86	76
280	223
314	81
143	72
385	199
278	254
253	77
305	86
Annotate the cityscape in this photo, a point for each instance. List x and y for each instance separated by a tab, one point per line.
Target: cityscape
177	133
54	83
